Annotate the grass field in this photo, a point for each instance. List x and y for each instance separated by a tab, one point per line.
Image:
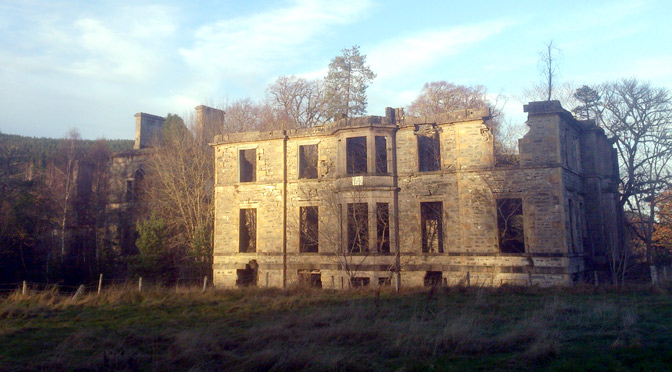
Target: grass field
456	329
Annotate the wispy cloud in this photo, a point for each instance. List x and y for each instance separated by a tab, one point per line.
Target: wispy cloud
253	44
425	49
126	43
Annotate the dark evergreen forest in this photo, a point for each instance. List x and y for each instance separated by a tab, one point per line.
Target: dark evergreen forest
51	224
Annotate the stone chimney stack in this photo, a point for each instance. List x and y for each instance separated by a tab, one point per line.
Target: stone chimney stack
148	130
209	122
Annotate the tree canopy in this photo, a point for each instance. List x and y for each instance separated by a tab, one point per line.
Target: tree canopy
347	81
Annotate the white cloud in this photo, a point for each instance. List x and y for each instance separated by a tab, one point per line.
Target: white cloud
122	43
252	44
425	49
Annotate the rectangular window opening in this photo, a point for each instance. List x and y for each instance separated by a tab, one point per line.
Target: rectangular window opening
510	225
356	155
358	228
247	277
386	281
130	194
383	227
572	239
309	234
429	152
358	282
308	161
433	278
381	155
247	165
247	233
431	216
310	278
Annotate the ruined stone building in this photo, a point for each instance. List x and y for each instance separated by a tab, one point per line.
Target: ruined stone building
414	201
127	171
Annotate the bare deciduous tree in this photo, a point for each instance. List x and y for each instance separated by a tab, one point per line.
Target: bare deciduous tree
563	92
300	100
639	117
438	97
178	185
548	64
71	154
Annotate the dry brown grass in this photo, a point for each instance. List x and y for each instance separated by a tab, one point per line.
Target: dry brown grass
306	329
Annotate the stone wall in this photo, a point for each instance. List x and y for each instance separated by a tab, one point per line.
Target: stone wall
560	175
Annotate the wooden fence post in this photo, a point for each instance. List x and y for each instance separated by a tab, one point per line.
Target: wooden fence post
24	289
80	291
205	283
100	284
140	284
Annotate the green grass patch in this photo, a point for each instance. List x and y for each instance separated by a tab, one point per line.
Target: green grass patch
457	329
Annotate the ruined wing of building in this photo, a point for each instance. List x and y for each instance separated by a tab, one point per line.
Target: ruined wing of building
128	169
414	201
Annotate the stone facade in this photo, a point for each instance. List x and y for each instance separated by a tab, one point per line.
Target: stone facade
127	170
412	201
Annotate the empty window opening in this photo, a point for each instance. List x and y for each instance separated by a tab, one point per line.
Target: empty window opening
357	282
358	228
429	152
248	165
572	239
130	194
384	281
356	155
310	278
248	276
248	231
582	227
381	155
510	225
308	240
431	217
133	186
383	228
308	161
433	278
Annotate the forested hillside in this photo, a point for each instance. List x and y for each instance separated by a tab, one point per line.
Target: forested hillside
50	223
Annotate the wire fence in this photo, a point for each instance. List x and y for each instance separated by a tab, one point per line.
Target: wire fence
190	283
660	275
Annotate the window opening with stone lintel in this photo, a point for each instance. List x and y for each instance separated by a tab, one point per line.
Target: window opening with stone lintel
358	227
510	225
431	220
381	154
308	225
247	165
356	155
308	161
247	232
383	227
429	149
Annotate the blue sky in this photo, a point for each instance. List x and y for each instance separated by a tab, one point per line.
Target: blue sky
92	65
